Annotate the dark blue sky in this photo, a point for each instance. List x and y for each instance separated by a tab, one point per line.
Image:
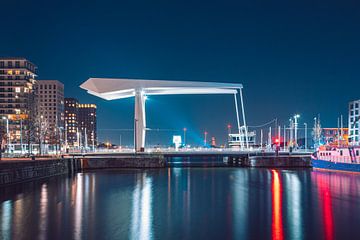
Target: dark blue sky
291	56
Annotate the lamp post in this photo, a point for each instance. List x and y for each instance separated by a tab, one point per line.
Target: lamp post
21	138
184	130
296	116
205	136
291	132
7	134
229	132
40	134
305	136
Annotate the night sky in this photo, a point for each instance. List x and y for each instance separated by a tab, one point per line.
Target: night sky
291	56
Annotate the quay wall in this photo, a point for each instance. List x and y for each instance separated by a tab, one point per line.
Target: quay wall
16	171
278	161
130	161
19	171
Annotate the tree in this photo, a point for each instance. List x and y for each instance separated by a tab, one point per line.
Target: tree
42	130
317	132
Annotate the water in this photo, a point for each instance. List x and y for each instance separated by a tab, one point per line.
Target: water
184	203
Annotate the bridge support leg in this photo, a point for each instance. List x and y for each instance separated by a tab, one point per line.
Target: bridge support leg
139	121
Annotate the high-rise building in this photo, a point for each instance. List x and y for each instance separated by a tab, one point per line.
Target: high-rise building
354	119
51	109
18	98
51	102
80	123
87	123
71	122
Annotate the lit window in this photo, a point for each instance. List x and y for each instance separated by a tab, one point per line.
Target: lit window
17	89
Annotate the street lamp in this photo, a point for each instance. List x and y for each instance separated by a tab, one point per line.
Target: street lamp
229	132
305	136
291	132
7	133
184	130
296	116
205	136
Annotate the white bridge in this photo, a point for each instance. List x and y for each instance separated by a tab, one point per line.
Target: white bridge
111	89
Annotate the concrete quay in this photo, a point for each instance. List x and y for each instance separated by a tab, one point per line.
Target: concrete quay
123	161
15	171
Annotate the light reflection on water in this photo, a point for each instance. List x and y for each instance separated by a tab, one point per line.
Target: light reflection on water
184	203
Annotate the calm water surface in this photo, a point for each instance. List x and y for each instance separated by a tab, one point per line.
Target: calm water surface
184	203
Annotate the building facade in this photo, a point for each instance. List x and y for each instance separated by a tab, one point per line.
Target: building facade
80	124
354	118
336	136
51	109
71	122
18	88
51	102
87	124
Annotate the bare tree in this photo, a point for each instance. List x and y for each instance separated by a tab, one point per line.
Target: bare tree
317	132
42	128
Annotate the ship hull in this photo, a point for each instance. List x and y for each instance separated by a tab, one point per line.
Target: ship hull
336	166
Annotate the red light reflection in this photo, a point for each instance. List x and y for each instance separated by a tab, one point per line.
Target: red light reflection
277	224
325	195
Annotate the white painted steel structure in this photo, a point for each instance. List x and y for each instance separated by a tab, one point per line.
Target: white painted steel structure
111	89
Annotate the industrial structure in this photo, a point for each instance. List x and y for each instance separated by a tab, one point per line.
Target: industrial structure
111	89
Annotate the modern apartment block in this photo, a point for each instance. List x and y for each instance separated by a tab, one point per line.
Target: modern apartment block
51	102
71	121
17	97
87	123
80	123
354	118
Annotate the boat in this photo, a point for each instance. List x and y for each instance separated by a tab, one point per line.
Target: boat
337	158
237	140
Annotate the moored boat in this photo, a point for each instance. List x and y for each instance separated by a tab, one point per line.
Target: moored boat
337	158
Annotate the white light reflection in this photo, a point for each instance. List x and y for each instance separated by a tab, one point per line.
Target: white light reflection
141	219
240	203
43	212
78	206
18	218
293	196
6	218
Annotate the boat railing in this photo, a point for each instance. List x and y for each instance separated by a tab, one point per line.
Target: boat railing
342	159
